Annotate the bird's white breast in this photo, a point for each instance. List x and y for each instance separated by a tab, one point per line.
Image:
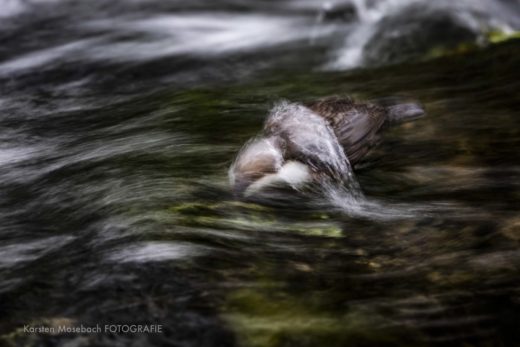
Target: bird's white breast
292	173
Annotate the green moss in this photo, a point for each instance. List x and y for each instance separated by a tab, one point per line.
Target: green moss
263	320
327	231
498	36
440	51
198	208
237	215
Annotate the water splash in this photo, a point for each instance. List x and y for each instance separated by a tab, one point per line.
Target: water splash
354	203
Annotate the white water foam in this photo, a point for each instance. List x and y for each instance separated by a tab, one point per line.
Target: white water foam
11	8
153	251
356	204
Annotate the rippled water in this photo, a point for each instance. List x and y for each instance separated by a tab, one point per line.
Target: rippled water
118	124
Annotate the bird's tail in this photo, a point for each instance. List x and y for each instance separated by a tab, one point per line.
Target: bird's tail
404	112
400	109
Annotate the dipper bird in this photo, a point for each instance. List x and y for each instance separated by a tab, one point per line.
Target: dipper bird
313	142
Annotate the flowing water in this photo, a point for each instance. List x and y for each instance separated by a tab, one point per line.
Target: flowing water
120	119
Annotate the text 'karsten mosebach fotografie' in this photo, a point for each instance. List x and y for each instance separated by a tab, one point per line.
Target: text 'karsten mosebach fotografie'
95	329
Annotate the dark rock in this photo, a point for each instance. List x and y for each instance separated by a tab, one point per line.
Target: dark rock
414	33
343	12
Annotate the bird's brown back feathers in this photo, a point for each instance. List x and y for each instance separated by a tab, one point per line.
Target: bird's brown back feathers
356	125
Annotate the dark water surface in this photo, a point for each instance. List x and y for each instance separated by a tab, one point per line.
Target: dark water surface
117	127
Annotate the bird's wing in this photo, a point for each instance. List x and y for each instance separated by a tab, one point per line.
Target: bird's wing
308	138
355	125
